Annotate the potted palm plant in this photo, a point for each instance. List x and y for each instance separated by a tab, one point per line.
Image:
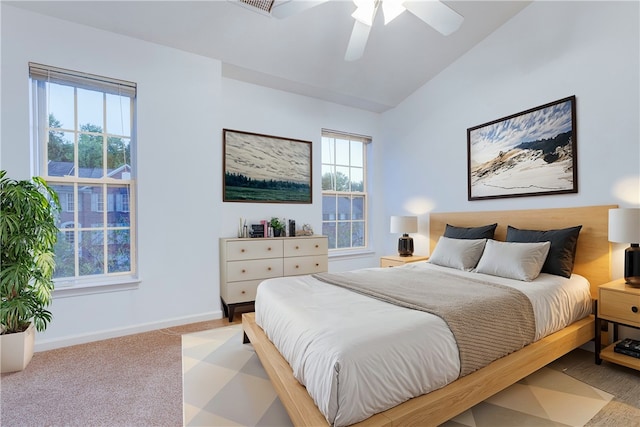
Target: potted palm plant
28	234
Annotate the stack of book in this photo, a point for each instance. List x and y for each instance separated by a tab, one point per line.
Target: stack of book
629	347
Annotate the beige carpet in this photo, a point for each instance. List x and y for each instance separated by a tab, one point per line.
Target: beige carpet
130	381
225	385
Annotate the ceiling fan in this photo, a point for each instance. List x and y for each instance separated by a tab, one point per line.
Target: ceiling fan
435	13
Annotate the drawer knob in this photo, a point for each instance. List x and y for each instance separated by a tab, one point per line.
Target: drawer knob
634	309
297	247
241	250
297	266
269	268
243	292
268	249
244	271
317	265
317	246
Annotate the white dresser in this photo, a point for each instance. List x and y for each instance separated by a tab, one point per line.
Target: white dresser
244	263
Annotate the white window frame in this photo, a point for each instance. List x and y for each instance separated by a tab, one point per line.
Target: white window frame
366	141
41	75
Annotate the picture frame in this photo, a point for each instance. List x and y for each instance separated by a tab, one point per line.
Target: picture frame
261	168
530	153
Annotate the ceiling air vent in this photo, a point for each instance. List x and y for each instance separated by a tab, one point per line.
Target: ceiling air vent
261	6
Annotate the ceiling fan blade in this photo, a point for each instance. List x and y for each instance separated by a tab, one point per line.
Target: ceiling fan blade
286	8
358	41
437	14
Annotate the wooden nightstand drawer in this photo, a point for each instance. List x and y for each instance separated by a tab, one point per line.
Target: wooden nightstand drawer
619	306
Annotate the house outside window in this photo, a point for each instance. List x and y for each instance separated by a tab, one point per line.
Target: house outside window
83	133
344	190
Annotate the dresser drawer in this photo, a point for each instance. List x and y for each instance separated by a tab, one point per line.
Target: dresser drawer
256	269
305	265
236	292
253	249
305	247
619	306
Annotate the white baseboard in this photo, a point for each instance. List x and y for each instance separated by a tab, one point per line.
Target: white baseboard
43	345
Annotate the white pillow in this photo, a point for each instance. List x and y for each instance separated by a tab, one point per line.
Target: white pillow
462	254
520	261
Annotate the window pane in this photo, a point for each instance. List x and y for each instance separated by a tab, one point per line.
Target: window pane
91	252
90	156
344	234
342	178
357	211
93	204
328	208
329	230
65	253
119	251
119	158
61	106
118	206
344	208
357	179
357	157
60	154
328	177
90	109
118	115
342	152
328	150
357	234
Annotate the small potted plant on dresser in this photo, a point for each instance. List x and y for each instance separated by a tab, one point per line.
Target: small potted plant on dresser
277	225
28	234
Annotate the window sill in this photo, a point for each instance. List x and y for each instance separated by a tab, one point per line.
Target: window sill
73	288
351	254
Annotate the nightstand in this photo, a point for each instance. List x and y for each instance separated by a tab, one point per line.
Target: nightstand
620	304
396	260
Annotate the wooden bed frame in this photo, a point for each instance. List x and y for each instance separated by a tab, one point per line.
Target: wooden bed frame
432	409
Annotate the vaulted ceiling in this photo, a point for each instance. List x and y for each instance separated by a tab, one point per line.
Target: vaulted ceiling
302	53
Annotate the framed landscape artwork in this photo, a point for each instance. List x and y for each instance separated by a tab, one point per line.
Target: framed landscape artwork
263	168
531	153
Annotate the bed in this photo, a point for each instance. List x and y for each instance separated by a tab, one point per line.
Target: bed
444	401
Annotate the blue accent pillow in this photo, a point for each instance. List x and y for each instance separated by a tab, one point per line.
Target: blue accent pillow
482	232
562	253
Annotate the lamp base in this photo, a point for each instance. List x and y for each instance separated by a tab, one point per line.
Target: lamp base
405	245
632	265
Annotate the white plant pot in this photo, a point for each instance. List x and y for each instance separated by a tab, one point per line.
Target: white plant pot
16	350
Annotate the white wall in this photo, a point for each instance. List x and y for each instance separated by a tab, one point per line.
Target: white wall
183	105
548	51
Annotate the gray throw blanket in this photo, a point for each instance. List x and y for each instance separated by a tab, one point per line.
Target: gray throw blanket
488	320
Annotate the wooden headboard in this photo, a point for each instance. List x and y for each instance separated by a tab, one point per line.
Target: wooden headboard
592	255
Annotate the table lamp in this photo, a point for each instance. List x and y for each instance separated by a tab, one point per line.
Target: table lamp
404	225
624	227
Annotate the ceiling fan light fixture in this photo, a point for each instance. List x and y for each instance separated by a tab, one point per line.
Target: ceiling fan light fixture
391	9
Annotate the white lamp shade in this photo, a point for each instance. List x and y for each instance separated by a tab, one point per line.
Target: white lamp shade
624	225
404	224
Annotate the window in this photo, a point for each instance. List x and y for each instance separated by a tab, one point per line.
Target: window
83	138
344	190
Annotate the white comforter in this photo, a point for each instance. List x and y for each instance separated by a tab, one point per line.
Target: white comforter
358	356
